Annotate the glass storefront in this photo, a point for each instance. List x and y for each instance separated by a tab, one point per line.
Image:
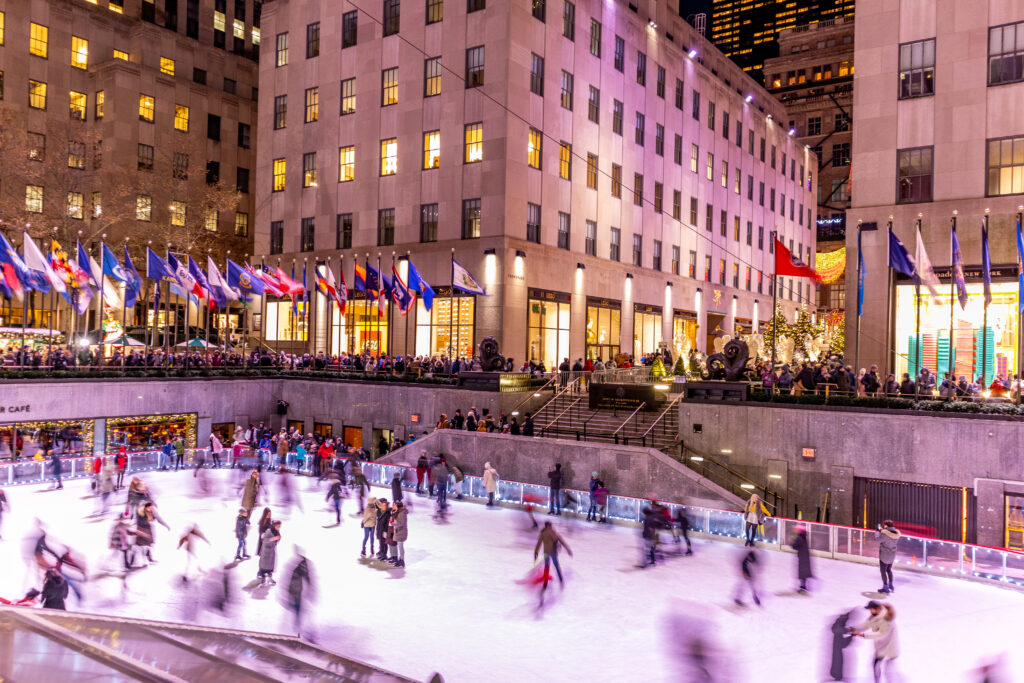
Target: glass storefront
149	432
285	324
29	440
547	327
604	320
1015	522
365	330
977	348
646	330
684	332
438	332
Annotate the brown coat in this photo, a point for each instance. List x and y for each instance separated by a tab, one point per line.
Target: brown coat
550	540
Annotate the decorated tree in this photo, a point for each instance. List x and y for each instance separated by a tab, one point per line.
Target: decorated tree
835	323
680	368
658	367
774	331
805	328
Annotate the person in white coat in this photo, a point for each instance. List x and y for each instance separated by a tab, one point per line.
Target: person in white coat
881	628
490	482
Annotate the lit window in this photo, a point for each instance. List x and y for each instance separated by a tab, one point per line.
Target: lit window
389	156
346	164
97	204
100	101
255	33
37	41
181	118
76	154
1	28
312	104
432	77
143	208
533	149
167	66
565	160
76	205
218	21
178	213
474	142
147	105
121	54
1005	166
348	96
37	94
279	168
210	220
238	29
34	198
116	6
432	149
309	169
79	52
78	105
241	224
282	49
389	87
694	157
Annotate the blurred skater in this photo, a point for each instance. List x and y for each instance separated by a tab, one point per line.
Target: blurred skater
748	577
369	524
5	506
242	534
300	584
268	554
188	541
803	557
842	636
682	529
550	540
881	628
334	496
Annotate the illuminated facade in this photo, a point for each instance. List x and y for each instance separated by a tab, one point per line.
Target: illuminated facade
609	177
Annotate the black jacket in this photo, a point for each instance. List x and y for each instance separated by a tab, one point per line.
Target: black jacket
555	477
55	590
241	526
528	427
396	490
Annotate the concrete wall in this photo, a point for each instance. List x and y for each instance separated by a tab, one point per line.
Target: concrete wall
918	447
626	470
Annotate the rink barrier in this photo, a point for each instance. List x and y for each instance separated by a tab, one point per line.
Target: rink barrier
851	544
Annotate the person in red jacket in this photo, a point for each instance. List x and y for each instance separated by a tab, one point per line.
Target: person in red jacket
122	467
324	454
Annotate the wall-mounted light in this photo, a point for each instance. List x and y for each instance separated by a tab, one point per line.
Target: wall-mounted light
579	275
652	24
490	266
517	263
768	117
580	266
520	253
749	98
489	252
693	54
629	276
756	323
668	284
792	131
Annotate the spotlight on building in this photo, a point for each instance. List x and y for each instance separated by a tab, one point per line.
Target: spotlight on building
652	24
768	117
693	54
749	98
792	131
520	253
580	266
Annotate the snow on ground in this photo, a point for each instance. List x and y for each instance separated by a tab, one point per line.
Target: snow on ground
457	609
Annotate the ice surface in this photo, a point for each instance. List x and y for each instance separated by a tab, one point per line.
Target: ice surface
457	607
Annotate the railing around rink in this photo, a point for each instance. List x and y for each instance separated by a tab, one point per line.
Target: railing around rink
928	555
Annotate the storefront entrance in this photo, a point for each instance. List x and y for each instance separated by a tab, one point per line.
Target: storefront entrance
150	432
684	333
1015	522
547	327
646	330
604	322
27	440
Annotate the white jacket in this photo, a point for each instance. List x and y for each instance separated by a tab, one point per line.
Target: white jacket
491	479
883	632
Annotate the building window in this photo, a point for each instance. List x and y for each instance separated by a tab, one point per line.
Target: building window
592	171
37	41
244	135
313	40
276	237
693	211
242	180
428	222
564	221
147	107
709	218
565	160
842	122
638	251
533	149
814	125
391	17
475	6
694	157
675	260
385	227
178	213
721	271
569	20
658	196
80	53
656	255
166	66
143	208
199	75
638	131
343	231
307	235
76	205
181	117
1006	53
595	38
435	9
760	237
309	169
659	139
567	88
213	127
710	169
145	157
614	244
533	223
78	104
312	104
474	137
432	77
122	55
432	149
691	268
736	228
280	112
537	74
677	150
1005	166
677	204
538	9
349	28
917	68
725	125
841	154
388	156
241	223
475	66
282	49
590	238
617	117
389	86
641	68
723	222
100	99
841	192
34	198
470	219
1	28
348	96
36	94
616	180
638	189
711	115
279	167
179	166
594	105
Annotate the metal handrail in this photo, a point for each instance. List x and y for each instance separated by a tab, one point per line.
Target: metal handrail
533	395
663	414
558	393
567	408
733	473
624	422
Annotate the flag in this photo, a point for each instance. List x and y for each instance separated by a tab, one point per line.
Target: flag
189	286
305	288
222	293
359	283
986	264
84	267
14	271
322	284
384	294
925	273
271	284
900	259
462	280
244	279
159	269
110	292
202	284
288	285
418	284
111	266
133	285
59	264
295	304
788	264
400	293
34	260
958	271
1020	269
341	292
861	273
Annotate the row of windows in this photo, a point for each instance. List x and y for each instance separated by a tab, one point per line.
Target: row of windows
1004	170
822	72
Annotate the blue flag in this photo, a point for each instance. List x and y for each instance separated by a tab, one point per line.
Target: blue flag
1020	269
900	259
111	266
986	264
133	285
372	281
418	284
201	282
241	279
85	263
159	269
958	271
861	273
295	302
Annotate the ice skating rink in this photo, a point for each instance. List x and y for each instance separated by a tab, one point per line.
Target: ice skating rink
457	609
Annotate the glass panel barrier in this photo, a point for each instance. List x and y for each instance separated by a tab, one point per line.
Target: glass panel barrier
988	563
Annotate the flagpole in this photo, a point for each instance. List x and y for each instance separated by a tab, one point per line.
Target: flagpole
380	311
29	292
451	308
775	296
860	260
367	306
145	351
984	323
1020	317
99	314
49	335
917	292
307	301
391	299
167	312
408	255
952	298
124	316
209	300
248	316
888	306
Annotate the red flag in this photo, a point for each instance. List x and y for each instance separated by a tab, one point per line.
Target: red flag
787	264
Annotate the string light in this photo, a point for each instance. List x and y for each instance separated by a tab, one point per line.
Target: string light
831	265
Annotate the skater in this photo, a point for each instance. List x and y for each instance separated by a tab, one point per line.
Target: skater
682	528
145	534
842	636
120	542
104	487
881	628
439	479
122	467
421	471
383	515
396	487
215	449
264	524
754	514
5	506
550	540
165	455
334	494
803	557
359	482
55	590
251	494
188	541
57	468
601	496
592	510
179	453
298	580
490	483
268	553
748	577
555	478
369	524
888	538
654	520
242	534
399	532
